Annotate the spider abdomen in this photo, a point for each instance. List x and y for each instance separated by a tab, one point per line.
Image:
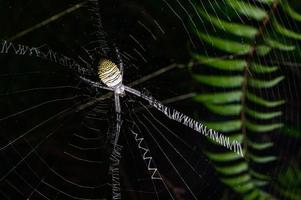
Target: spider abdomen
109	73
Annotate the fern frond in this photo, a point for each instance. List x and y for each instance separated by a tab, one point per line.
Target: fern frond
289	182
245	40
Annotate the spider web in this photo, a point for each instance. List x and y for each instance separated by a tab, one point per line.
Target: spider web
55	145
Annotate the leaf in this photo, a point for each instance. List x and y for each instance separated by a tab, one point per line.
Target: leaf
217	98
277	45
244	187
237	137
230	27
219	63
223	157
237	180
289	181
252	196
225	126
290	11
234	169
258	100
260	146
259	128
286	32
220	81
226	110
260	183
263	50
256	83
269	2
247	9
226	45
262	115
261	69
262	159
259	175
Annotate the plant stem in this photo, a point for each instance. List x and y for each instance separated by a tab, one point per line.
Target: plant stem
246	71
45	22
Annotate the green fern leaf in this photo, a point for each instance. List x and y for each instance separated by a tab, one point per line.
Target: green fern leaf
248	9
218	98
242	74
218	63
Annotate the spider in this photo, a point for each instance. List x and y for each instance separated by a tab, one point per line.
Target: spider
112	76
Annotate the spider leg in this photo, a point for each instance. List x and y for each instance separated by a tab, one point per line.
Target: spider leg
137	93
95	84
185	120
118	118
133	91
121	66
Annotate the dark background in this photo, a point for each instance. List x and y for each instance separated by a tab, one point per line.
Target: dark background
66	35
